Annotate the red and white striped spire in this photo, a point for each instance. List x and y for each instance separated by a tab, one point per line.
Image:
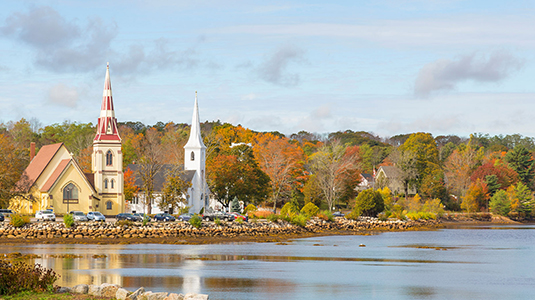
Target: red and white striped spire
107	123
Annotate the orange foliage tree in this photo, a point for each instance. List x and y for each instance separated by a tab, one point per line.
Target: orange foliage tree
476	197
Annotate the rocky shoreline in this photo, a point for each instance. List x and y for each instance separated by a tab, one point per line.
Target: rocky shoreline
182	231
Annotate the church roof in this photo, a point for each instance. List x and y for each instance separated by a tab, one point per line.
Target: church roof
107	123
40	162
159	179
55	175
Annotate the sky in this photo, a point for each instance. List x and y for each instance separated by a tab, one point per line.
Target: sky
387	67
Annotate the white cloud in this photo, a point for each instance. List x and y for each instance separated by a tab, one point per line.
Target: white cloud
445	74
63	95
274	68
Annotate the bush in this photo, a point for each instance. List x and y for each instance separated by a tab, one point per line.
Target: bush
262	214
126	223
289	209
310	209
19	220
273	217
217	221
18	277
299	220
183	210
368	203
68	220
326	215
196	221
249	208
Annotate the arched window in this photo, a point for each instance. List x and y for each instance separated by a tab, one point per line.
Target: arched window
112	183
109	205
105	183
192	155
109	158
70	194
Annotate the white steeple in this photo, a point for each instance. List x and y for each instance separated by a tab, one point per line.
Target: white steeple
195	138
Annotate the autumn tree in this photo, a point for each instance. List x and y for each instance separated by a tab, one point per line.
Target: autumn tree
149	152
127	135
459	167
505	176
174	190
476	197
13	162
130	188
521	199
282	161
425	151
335	167
173	141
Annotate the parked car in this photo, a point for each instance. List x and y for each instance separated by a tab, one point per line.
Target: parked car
96	216
2	217
45	215
142	216
128	216
338	214
218	215
6	212
78	216
164	217
185	217
239	216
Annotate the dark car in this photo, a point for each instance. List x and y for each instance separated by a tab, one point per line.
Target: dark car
2	217
185	217
338	214
129	217
218	215
143	216
164	217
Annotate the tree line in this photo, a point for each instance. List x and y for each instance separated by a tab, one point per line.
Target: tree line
476	173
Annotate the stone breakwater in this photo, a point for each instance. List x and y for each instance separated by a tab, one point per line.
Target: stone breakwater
109	230
114	291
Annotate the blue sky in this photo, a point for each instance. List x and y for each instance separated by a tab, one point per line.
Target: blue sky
387	67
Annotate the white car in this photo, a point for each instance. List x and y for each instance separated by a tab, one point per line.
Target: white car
78	216
45	215
96	216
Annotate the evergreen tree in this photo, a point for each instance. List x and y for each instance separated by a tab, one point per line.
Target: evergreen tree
235	205
520	160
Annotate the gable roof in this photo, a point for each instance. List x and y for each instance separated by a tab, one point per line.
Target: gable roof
55	175
159	179
39	162
368	177
390	171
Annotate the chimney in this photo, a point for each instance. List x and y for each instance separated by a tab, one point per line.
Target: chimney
32	150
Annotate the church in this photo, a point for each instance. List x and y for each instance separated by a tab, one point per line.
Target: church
56	181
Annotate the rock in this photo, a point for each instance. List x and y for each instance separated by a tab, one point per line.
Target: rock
109	290
192	296
95	290
80	289
174	296
121	294
64	289
135	295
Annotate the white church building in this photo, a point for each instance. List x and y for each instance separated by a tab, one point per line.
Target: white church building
194	171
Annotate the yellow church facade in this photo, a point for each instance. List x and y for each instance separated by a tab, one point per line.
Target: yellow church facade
56	181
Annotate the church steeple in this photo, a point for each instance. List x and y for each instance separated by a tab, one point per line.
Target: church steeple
195	138
107	123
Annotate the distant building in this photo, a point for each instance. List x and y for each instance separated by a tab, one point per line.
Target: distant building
391	177
366	182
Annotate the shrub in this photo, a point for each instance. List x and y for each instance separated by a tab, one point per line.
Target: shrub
299	220
145	221
273	217
249	208
326	215
310	209
18	276
289	209
126	223
262	214
368	203
68	220
433	207
239	220
196	221
217	221
19	220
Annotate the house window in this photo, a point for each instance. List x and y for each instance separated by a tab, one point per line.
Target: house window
70	194
105	183
192	155
109	205
109	158
112	183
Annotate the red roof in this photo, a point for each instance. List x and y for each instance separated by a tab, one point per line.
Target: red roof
40	161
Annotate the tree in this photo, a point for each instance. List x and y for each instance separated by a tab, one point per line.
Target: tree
492	184
505	176
13	162
282	161
500	203
424	147
522	162
130	187
235	205
521	198
459	167
312	191
149	152
174	190
368	203
476	197
333	168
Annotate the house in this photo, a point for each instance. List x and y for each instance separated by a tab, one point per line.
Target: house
392	177
366	181
55	180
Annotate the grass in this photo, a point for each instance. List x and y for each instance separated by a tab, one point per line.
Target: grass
49	296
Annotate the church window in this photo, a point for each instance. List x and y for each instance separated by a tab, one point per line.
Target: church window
109	205
109	158
112	183
105	183
192	155
70	194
